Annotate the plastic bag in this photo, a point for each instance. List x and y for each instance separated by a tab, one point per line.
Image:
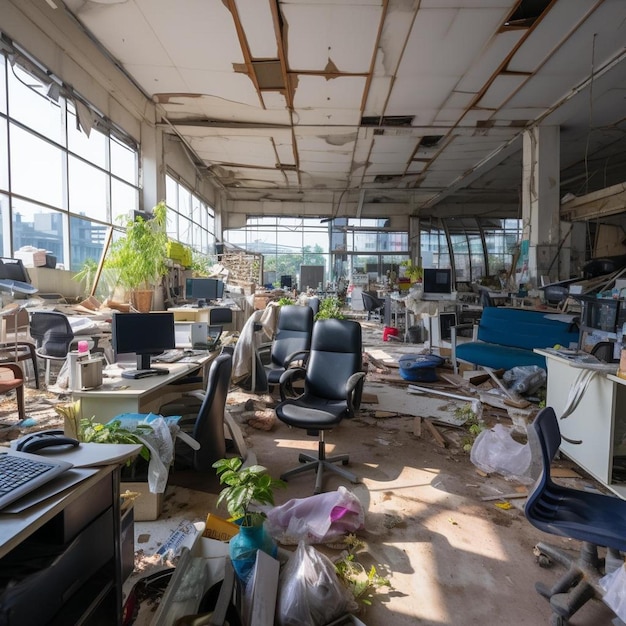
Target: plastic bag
496	451
525	378
614	585
309	591
316	519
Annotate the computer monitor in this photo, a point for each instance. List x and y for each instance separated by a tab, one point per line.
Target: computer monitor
145	334
437	280
13	269
204	289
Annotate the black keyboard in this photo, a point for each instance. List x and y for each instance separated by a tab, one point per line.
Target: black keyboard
21	473
170	356
144	373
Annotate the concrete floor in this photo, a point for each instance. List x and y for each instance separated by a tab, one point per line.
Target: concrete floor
451	557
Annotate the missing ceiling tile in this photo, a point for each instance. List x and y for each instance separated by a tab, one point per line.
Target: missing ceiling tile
269	75
387	120
526	14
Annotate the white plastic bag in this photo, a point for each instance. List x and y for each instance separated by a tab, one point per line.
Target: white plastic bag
495	451
614	585
309	591
316	519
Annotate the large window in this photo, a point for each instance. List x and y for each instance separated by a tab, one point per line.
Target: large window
61	187
189	219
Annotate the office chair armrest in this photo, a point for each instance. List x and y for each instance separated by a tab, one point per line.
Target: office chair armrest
354	391
188	439
284	382
300	355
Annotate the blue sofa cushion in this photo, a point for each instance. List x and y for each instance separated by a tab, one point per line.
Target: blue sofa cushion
498	357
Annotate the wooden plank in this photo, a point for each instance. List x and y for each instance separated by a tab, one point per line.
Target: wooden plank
417	426
564	472
439	440
369	398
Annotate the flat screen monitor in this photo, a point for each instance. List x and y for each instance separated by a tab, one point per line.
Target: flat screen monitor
145	334
437	280
204	289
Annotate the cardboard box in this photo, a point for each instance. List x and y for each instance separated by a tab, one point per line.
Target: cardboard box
147	506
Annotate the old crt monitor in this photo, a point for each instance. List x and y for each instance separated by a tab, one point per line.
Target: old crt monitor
437	280
204	289
145	334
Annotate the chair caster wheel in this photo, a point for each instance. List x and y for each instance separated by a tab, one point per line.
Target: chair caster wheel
558	620
345	462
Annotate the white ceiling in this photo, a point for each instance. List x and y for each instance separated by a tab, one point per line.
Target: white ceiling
312	129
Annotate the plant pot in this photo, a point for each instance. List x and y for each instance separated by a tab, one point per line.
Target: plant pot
142	300
244	546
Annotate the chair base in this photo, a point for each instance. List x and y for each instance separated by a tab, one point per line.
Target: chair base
580	582
319	464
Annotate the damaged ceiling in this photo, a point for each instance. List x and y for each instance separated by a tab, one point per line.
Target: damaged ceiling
376	107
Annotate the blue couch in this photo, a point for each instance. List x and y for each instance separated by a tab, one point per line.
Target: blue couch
505	338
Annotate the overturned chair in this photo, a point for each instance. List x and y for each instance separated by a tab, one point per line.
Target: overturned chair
595	519
333	385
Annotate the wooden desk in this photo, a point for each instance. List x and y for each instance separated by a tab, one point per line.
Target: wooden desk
201	314
119	395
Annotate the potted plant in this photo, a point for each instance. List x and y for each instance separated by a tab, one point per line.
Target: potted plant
414	273
245	487
139	256
330	308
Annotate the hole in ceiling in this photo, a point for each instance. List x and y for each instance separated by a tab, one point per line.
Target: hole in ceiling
269	75
387	178
430	141
526	13
387	120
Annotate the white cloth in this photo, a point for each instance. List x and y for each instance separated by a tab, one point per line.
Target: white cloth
249	339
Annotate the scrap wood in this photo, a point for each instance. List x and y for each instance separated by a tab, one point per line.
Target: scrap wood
511	398
417	426
439	440
564	472
419	390
369	398
382	414
377	363
505	496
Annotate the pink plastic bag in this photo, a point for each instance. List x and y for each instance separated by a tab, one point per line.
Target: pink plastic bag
316	519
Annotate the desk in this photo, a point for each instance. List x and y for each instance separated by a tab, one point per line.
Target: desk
599	420
201	314
119	395
84	583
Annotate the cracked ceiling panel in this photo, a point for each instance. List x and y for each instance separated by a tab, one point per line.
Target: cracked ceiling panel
422	104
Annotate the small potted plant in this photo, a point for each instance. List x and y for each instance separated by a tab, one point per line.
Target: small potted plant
245	487
414	273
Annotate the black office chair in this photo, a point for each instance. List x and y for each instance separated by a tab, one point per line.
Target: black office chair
373	306
203	418
333	385
53	337
314	303
291	342
594	518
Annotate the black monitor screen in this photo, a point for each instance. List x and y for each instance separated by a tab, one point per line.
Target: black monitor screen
145	334
204	288
437	280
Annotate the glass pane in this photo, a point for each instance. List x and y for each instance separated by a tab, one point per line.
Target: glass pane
92	148
184	201
3	93
124	199
4	155
172	224
185	230
5	226
88	190
171	193
29	104
123	161
87	241
36	167
39	227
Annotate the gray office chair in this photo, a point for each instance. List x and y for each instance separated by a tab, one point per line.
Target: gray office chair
373	305
220	315
333	384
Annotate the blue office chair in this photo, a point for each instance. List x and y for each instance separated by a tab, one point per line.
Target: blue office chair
593	518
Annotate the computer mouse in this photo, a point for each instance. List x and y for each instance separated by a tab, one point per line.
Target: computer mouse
188	352
46	439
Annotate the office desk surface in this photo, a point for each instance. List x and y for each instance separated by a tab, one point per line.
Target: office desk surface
119	395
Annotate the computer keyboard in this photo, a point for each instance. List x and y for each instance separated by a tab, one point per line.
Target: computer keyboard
170	356
21	473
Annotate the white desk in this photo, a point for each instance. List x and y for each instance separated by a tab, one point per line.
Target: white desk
599	420
144	395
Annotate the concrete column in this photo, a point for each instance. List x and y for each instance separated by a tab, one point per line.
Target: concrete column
540	204
152	166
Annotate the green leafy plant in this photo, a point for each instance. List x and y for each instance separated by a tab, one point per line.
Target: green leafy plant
245	486
330	308
474	425
91	431
414	273
139	256
284	301
362	583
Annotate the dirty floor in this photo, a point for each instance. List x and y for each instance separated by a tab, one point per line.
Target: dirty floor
454	555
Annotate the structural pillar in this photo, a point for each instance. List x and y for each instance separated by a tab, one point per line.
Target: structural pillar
545	244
